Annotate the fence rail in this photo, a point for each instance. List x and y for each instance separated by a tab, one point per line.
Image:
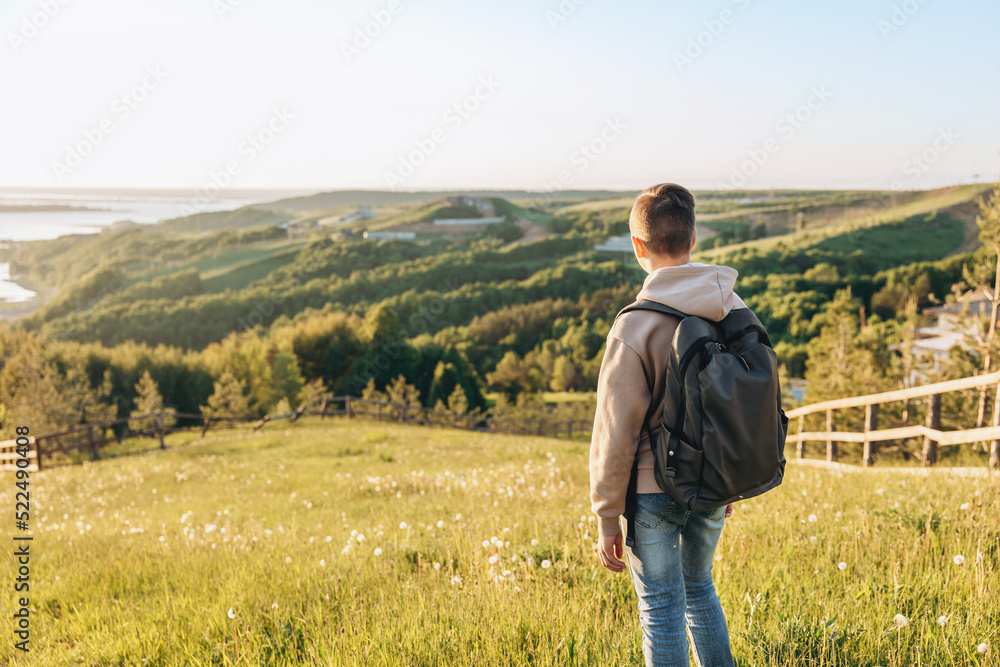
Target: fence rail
931	431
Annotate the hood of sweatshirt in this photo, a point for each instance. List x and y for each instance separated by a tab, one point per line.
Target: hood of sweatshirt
705	290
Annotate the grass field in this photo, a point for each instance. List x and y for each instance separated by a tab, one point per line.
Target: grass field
349	543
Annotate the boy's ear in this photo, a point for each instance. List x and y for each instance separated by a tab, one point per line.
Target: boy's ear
640	249
694	239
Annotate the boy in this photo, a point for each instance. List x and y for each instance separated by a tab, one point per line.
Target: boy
671	562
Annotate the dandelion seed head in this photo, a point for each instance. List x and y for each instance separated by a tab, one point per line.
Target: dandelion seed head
900	620
232	613
959	559
842	565
942	621
378	551
546	564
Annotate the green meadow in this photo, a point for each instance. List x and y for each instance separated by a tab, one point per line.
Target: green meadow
348	542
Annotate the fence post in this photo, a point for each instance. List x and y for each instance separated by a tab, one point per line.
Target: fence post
347	407
871	424
933	421
800	445
322	412
995	444
831	445
93	443
204	429
159	429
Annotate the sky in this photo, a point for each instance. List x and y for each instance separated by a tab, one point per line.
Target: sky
543	95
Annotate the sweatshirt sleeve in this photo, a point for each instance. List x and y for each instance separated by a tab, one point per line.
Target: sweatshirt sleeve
622	403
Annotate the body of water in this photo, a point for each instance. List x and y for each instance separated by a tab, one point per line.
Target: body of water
35	225
101	212
11	292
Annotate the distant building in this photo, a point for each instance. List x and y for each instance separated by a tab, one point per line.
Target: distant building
954	323
360	214
621	243
482	204
385	236
455	222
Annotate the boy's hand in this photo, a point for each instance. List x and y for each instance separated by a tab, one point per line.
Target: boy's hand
609	550
729	510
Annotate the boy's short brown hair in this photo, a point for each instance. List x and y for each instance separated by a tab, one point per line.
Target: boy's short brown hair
663	219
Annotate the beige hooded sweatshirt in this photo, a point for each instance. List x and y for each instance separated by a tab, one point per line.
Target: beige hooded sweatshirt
635	359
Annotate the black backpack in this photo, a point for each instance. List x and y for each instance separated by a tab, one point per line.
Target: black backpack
722	435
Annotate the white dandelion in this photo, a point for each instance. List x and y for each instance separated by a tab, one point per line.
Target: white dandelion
842	566
942	621
232	613
546	564
983	648
402	525
813	518
900	620
959	559
378	552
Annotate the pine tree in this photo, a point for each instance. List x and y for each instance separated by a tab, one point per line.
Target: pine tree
457	401
313	392
286	377
149	400
370	393
87	403
228	400
400	392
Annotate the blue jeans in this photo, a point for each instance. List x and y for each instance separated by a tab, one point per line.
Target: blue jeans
671	566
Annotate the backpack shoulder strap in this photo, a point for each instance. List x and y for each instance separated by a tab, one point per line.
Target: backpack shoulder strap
647	304
630	494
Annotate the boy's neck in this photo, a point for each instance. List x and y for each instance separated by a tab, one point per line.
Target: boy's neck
665	261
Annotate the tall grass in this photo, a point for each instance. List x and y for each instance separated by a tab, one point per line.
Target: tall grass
343	542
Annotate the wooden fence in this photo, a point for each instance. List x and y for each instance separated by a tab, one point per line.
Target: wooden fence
931	431
386	411
85	441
